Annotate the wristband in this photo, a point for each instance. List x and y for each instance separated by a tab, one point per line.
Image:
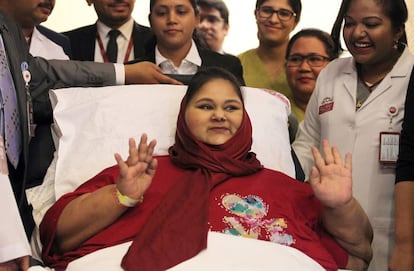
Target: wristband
126	201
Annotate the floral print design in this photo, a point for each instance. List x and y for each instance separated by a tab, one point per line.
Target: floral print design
248	219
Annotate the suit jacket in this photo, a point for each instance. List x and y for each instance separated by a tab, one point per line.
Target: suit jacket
208	58
83	40
45	75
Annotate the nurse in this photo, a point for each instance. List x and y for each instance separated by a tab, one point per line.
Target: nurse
358	105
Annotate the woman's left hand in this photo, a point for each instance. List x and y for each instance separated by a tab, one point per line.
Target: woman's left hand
330	178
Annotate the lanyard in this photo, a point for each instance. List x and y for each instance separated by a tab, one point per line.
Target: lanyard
103	52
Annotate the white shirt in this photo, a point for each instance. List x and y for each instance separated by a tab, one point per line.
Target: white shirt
13	240
122	40
42	46
189	65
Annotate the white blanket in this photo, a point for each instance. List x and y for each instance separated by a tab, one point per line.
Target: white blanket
224	253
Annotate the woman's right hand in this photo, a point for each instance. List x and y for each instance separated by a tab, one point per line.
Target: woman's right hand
136	173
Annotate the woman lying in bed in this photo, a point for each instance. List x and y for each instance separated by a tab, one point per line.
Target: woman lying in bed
209	181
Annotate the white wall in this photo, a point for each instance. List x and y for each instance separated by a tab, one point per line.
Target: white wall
69	14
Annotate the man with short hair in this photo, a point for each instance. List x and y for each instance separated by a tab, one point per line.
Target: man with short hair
42	41
214	23
91	42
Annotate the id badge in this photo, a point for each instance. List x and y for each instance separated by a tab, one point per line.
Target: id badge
389	147
3	158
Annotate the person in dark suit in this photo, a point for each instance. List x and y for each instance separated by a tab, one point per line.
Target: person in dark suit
90	42
177	47
39	76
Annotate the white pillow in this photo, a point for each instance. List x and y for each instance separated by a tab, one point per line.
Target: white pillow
94	123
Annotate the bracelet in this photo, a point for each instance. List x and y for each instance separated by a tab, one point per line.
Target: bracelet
126	201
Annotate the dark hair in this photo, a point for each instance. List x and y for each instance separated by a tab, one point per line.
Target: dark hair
395	10
197	37
207	74
218	5
295	4
192	2
322	36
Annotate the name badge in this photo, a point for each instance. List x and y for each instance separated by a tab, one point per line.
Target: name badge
389	147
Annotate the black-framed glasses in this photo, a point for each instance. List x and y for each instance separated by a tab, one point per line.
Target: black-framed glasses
211	19
283	14
313	60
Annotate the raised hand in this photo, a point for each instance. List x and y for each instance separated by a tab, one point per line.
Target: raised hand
136	173
330	178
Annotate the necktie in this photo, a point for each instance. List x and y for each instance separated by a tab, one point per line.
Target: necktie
11	119
112	47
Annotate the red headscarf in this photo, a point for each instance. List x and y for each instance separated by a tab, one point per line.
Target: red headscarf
177	230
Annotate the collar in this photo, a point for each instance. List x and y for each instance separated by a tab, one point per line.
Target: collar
37	35
402	68
125	29
192	56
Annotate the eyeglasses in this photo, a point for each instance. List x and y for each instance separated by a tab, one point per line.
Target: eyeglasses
313	60
210	19
282	14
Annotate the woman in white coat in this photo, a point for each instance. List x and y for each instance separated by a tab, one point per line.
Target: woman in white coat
358	105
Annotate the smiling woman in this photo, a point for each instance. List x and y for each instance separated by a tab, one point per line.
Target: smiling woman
264	66
364	90
219	107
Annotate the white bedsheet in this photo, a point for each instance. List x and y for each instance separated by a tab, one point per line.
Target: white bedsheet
224	253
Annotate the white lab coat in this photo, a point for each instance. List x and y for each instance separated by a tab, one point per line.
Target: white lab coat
358	132
14	244
42	46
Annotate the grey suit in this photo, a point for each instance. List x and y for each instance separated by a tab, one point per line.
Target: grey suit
45	75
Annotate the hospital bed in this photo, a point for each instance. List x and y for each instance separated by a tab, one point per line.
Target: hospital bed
91	124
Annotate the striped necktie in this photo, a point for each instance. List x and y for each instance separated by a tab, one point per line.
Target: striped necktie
10	119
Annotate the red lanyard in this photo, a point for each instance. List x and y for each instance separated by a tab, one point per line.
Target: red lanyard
103	52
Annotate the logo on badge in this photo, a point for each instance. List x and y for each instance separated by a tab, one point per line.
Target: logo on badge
326	105
25	72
